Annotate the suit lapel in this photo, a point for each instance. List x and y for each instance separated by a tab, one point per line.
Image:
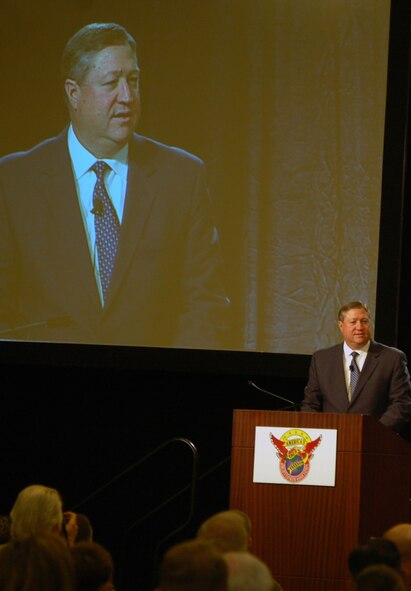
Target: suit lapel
339	379
369	366
72	252
142	189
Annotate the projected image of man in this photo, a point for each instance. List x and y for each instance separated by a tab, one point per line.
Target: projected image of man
107	236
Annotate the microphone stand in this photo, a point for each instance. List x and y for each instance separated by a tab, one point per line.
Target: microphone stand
290	404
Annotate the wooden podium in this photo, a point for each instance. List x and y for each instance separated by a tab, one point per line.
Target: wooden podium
305	533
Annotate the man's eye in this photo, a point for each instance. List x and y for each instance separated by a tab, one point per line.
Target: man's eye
110	83
134	81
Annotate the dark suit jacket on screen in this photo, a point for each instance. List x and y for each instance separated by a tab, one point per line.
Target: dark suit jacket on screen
383	389
166	288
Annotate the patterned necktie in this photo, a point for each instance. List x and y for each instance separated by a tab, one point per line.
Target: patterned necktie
355	373
106	225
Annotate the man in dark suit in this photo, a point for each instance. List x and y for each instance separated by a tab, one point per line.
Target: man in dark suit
360	375
128	257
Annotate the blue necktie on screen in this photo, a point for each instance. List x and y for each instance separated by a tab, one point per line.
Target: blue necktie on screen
107	227
355	374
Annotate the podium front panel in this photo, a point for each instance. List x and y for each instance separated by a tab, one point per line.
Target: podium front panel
305	533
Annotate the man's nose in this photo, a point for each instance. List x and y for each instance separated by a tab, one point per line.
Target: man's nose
125	94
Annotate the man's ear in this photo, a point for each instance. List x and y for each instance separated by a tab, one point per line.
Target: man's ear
72	92
340	324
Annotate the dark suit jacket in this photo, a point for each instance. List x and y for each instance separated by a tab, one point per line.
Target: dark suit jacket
166	288
383	389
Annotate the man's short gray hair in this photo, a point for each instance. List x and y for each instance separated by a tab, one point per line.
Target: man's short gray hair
88	41
355	305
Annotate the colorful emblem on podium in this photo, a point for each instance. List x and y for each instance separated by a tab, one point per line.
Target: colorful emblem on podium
295	449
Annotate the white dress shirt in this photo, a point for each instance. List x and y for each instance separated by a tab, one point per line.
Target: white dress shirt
85	179
348	359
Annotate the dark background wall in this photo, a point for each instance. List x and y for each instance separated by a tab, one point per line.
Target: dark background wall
76	428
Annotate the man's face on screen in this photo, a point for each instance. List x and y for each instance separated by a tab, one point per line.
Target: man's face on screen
356	328
105	105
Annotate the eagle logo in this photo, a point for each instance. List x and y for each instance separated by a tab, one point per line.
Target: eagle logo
295	449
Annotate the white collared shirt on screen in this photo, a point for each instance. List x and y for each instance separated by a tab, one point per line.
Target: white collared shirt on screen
85	179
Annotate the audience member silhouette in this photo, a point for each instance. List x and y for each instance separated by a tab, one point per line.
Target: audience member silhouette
39	509
84	529
4	529
228	531
379	577
36	563
248	573
400	534
247	522
93	567
375	551
193	566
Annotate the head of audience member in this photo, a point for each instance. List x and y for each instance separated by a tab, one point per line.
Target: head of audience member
193	566
228	531
400	535
246	572
85	529
375	551
355	324
36	563
379	577
93	567
101	80
38	509
247	522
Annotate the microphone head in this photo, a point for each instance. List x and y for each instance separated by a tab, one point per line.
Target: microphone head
98	207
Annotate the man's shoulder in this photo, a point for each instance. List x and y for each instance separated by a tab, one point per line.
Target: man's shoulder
375	348
40	152
148	148
328	351
381	349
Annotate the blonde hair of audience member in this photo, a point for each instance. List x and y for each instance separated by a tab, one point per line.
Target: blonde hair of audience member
228	531
379	577
246	572
193	566
93	567
401	536
36	563
39	509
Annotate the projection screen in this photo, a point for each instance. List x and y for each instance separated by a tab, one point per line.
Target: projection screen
284	102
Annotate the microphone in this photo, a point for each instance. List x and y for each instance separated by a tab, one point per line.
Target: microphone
98	207
290	403
53	322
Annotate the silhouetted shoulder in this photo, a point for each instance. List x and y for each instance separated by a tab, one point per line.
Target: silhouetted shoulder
149	148
38	155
